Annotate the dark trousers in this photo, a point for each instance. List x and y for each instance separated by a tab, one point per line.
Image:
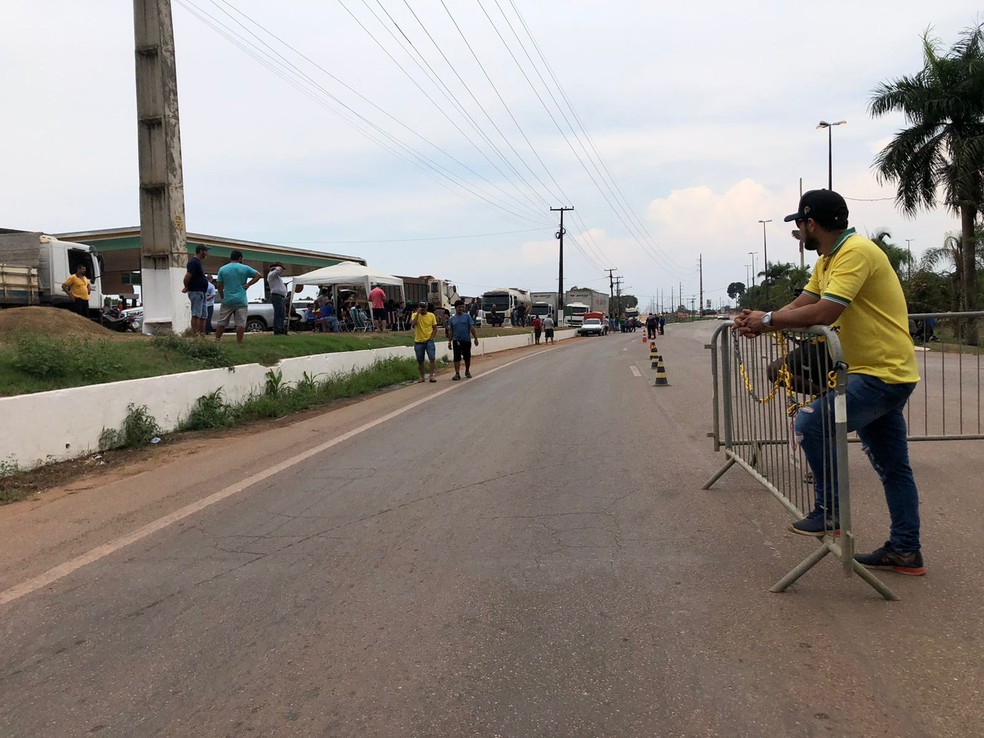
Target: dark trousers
208	319
81	307
278	313
462	350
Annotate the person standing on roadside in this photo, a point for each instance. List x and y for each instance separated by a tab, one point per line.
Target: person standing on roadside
195	285
855	290
233	280
210	292
377	303
662	324
548	329
278	297
424	326
77	287
537	329
461	332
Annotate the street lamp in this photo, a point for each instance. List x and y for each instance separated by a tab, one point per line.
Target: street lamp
752	254
765	257
908	247
830	153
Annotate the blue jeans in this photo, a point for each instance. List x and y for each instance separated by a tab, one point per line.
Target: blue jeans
278	312
874	410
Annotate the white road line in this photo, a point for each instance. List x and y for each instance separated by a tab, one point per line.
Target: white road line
63	570
635	371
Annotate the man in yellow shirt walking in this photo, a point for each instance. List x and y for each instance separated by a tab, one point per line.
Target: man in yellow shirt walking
855	290
424	325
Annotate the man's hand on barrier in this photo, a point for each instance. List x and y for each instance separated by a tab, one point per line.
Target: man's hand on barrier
749	323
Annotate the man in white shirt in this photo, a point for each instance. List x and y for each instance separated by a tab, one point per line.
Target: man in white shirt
278	297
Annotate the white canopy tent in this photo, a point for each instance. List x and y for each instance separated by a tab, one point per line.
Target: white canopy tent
350	274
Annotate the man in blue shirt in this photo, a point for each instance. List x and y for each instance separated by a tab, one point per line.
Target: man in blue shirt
233	280
195	286
461	329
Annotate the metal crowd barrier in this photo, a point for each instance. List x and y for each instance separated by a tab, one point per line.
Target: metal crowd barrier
755	402
948	403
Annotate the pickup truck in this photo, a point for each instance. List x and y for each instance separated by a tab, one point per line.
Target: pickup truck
591	327
259	316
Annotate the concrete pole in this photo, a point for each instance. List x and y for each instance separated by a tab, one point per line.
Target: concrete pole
163	238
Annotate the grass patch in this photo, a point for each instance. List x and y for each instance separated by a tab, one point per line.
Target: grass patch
32	362
280	399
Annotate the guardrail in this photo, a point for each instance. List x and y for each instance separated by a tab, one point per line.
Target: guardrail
948	404
759	385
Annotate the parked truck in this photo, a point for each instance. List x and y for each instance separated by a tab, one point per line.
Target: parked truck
574	313
440	293
544	304
33	267
504	301
596	301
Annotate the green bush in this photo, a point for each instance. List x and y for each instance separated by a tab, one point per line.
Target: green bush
202	352
139	427
41	356
209	412
50	357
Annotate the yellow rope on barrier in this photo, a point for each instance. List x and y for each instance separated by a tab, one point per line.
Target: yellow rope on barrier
783	379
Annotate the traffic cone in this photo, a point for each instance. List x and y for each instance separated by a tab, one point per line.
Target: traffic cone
661	380
653	354
644	339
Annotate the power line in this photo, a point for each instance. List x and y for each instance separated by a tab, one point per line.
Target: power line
283	69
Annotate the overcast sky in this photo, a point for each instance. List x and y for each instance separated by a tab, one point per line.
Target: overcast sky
693	122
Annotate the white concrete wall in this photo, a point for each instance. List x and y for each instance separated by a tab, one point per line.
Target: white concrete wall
64	424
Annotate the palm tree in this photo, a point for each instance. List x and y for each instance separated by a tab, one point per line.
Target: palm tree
897	256
941	154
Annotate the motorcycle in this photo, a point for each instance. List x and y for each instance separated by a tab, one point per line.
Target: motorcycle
117	320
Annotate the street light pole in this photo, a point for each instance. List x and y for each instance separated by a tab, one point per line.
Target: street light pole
752	254
830	149
908	248
765	256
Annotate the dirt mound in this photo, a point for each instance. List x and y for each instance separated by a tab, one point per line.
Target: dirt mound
50	321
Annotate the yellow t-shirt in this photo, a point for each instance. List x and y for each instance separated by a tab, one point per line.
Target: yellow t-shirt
874	327
79	288
423	326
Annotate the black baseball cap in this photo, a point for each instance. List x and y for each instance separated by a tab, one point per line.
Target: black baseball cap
422	304
826	207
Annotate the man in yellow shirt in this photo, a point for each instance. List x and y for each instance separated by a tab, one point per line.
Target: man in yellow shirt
855	290
424	325
77	287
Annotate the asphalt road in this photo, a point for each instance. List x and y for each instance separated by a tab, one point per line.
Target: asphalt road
527	553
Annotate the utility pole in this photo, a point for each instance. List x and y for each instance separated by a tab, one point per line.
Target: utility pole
765	257
163	236
908	248
560	278
618	298
611	289
700	268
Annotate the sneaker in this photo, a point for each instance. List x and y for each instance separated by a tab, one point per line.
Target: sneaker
456	377
816	524
887	557
467	375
